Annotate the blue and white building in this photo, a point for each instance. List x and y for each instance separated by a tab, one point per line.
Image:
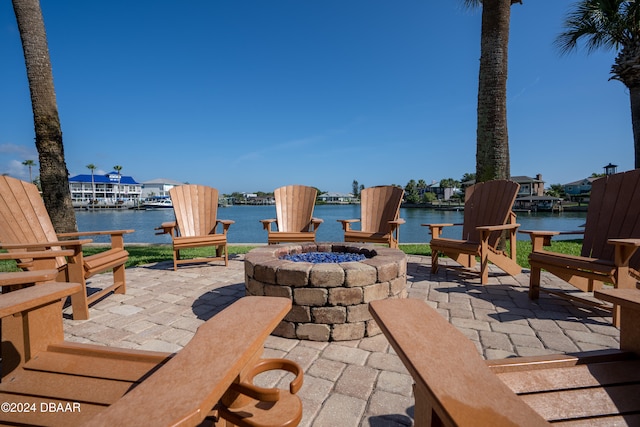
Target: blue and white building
110	190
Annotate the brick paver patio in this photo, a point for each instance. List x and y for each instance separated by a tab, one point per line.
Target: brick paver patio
348	383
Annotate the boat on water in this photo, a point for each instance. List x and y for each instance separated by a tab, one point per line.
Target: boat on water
157	202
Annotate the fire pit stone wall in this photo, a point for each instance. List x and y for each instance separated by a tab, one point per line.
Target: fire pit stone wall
330	301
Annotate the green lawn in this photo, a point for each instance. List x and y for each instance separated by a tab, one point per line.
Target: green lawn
139	255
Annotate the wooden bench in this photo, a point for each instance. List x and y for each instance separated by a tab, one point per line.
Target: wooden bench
47	381
454	386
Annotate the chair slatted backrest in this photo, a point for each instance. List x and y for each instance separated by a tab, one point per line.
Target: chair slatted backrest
195	208
488	203
23	216
614	212
378	206
294	207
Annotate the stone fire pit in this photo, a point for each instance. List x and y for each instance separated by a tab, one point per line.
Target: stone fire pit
330	301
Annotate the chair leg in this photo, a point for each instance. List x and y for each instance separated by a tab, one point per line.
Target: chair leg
176	257
80	303
119	277
434	261
534	283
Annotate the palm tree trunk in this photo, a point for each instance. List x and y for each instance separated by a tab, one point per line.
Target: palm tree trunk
492	150
53	169
634	95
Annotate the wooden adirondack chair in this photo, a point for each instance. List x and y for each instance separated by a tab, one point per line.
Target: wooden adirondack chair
379	217
487	214
611	237
455	387
294	215
25	226
48	381
196	210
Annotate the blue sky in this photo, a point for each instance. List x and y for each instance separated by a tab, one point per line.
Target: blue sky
249	95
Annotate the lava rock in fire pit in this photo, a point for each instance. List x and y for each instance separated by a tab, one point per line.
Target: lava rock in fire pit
325	257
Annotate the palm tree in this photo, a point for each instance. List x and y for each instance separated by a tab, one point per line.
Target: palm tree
492	139
610	24
118	168
92	168
53	169
30	164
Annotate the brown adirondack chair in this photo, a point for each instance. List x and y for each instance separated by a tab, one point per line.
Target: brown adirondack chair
196	210
25	226
611	237
294	215
379	217
487	215
49	381
455	387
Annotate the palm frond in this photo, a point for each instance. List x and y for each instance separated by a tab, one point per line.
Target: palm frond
601	24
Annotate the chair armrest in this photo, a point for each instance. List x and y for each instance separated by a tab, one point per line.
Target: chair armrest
315	224
266	223
497	227
452	382
623	297
346	223
624	250
35	296
628	300
45	245
436	229
36	254
166	227
95	233
183	390
625	242
539	238
397	221
27	277
226	223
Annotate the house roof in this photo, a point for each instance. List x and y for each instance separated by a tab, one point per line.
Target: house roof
111	178
522	178
162	181
584	181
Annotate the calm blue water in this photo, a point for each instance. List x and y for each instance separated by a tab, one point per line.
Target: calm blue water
248	229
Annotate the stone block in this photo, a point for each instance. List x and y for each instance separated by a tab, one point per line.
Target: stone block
300	314
278	291
313	332
266	271
254	287
376	292
326	275
348	331
359	274
285	330
329	315
310	296
295	274
372	328
358	313
345	296
397	285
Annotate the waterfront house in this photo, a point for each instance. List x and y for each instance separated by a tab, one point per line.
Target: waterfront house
110	190
333	198
158	187
529	186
